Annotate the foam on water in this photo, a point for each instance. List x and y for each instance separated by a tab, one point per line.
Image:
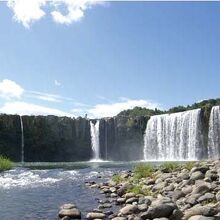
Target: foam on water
33	178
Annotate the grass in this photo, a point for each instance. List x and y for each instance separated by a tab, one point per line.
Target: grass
117	178
169	166
189	165
5	164
143	171
137	189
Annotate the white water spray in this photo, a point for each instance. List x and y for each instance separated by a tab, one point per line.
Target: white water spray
214	134
22	140
94	130
174	136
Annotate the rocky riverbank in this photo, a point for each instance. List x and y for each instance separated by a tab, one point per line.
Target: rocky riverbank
168	192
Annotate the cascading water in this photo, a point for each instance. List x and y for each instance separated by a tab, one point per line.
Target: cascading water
214	133
22	140
94	130
174	136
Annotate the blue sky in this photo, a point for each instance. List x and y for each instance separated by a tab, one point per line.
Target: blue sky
77	58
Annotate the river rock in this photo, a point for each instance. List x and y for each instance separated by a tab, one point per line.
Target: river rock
218	196
197	175
95	215
73	213
201	217
207	196
131	200
129	195
201	189
159	211
177	194
200	210
119	218
129	209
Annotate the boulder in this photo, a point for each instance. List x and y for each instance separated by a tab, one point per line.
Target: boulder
95	215
200	210
129	209
73	213
197	175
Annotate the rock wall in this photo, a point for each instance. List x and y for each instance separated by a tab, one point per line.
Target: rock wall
121	138
46	138
54	139
10	136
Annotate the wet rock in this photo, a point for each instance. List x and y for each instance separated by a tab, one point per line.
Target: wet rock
73	213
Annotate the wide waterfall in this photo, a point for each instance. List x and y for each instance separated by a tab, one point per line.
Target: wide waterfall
176	136
214	133
22	140
94	130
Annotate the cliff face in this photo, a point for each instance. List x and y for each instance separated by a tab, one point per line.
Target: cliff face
121	138
54	138
51	138
46	138
10	136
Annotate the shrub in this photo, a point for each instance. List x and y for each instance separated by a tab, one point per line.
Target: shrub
143	171
5	164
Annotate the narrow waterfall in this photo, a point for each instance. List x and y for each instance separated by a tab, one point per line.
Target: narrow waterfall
94	130
22	140
214	133
174	136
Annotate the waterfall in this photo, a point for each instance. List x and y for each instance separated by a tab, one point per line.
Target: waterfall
174	136
214	133
94	130
22	140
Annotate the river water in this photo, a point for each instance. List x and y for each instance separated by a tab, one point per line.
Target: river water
37	190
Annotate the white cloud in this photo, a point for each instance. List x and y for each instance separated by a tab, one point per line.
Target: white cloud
75	9
27	11
10	89
24	108
57	83
109	110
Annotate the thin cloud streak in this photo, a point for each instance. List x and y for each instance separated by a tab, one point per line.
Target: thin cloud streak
24	108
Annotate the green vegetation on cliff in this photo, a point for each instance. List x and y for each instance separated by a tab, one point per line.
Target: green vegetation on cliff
5	164
206	105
